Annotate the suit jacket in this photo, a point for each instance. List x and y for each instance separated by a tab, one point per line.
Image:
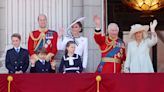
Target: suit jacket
17	61
42	68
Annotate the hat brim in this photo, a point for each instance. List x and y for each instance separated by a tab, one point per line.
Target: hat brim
78	20
144	28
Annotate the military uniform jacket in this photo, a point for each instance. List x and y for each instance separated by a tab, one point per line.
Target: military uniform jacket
47	39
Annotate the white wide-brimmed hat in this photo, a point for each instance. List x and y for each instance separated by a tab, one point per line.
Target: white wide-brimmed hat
69	27
137	28
77	20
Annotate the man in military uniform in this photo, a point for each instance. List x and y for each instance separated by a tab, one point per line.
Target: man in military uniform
112	48
17	58
42	38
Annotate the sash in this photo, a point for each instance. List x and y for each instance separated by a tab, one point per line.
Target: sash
116	49
111	53
41	43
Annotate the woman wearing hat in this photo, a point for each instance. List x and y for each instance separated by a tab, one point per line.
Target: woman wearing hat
138	58
81	43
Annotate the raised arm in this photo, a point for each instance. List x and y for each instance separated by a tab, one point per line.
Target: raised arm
153	40
60	41
99	39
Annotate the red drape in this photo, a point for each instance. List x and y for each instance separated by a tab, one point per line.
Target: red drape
83	83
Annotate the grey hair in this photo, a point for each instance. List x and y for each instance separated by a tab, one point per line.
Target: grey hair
113	24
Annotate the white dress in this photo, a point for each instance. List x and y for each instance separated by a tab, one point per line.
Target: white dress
81	47
138	58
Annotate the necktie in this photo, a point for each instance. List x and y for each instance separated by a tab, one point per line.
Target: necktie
17	50
43	62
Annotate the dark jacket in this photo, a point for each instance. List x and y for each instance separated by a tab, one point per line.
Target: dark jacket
66	67
17	61
42	68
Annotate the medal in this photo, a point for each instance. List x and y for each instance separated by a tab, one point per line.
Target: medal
49	35
46	45
118	54
48	42
121	50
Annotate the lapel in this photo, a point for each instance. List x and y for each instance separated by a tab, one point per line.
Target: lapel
20	51
18	55
14	52
41	64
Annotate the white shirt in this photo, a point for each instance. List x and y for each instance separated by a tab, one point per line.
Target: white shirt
17	49
80	49
42	61
138	58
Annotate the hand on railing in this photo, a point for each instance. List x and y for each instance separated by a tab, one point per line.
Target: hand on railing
32	61
53	64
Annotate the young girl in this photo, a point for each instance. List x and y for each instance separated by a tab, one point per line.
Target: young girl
71	62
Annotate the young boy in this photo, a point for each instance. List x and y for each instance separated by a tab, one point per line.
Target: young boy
17	58
42	66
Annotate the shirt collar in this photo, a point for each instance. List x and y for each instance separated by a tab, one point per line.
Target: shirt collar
41	60
17	48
